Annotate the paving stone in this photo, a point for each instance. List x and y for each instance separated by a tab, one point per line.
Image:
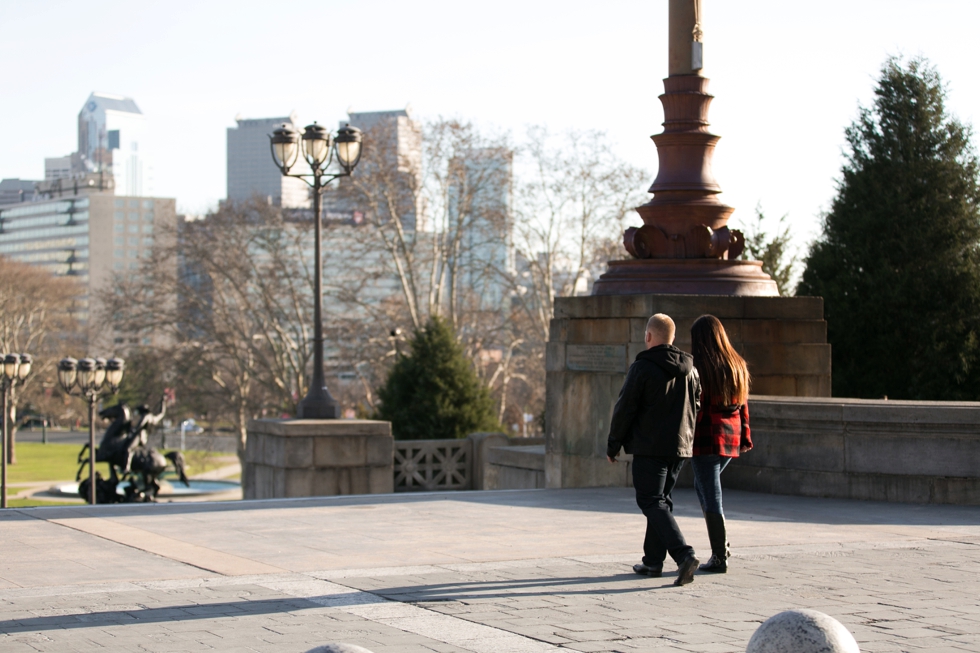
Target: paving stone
519	572
590	647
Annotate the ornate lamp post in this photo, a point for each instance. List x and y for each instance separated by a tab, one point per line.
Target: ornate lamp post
318	148
684	245
95	378
16	368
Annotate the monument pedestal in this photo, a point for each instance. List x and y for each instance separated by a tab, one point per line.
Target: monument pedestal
318	457
594	339
693	276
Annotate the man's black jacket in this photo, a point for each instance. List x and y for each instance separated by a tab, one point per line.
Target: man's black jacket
657	406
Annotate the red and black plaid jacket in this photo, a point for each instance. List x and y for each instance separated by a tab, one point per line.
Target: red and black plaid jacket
722	430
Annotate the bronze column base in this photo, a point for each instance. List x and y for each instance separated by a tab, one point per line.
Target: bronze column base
704	276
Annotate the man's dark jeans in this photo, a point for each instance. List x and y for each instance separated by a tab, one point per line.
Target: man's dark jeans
653	480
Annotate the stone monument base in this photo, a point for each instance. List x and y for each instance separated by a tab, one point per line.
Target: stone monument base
594	339
317	457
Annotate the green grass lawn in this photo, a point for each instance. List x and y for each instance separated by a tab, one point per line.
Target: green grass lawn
38	462
34	503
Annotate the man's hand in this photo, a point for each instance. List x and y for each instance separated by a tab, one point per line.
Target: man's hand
612	459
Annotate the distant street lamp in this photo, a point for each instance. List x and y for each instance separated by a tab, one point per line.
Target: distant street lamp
16	368
318	148
396	335
95	378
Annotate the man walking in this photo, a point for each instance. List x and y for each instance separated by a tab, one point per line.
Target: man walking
654	420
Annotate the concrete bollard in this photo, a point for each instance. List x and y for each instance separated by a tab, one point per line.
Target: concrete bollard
802	631
339	647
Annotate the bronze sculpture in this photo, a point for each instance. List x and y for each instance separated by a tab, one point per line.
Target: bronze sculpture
130	460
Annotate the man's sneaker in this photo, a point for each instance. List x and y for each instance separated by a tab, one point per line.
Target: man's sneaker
652	572
715	565
685	570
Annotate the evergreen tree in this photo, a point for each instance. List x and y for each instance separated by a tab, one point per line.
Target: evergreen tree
777	259
434	392
897	263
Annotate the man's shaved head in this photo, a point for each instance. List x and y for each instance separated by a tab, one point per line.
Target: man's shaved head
661	328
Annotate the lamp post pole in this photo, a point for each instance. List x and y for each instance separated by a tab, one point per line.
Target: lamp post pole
92	398
318	402
318	148
3	450
16	368
91	375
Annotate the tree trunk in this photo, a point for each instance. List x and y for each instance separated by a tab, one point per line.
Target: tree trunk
242	440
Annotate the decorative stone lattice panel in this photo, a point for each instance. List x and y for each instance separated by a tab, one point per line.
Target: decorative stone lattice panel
433	465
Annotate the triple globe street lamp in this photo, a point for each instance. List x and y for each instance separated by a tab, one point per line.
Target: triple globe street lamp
16	369
318	147
94	378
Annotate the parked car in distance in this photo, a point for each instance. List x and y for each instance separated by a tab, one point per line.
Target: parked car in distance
190	426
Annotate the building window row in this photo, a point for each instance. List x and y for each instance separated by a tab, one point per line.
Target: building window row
60	256
78	270
128	253
119	216
44	232
44	207
133	241
134	228
133	203
54	219
59	244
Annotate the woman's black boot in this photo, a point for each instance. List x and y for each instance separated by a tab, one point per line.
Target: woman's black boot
718	537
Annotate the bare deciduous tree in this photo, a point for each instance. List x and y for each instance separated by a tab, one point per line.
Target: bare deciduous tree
430	197
445	220
571	208
243	285
36	317
428	225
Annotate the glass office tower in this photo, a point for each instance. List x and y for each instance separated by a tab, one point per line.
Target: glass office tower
111	138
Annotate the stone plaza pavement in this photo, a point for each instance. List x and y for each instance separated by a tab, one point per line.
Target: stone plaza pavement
488	572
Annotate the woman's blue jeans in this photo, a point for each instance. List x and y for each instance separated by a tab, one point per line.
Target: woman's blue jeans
707	481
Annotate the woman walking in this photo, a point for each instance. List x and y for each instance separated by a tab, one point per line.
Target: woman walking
722	429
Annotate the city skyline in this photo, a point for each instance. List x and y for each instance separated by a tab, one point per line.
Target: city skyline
782	74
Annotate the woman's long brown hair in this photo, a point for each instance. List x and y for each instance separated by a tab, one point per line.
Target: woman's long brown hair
724	375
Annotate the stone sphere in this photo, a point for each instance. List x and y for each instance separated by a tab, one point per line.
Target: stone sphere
802	631
339	647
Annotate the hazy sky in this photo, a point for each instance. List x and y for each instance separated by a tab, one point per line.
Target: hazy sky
788	76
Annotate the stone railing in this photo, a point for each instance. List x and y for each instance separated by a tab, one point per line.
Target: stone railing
879	450
867	449
427	465
472	463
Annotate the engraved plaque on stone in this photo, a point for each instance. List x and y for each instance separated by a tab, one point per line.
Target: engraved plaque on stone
596	358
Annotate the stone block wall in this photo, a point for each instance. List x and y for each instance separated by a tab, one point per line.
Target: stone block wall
880	450
594	339
304	458
516	467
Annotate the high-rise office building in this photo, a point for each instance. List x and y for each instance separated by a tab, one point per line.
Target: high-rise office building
90	218
111	139
401	132
487	247
251	171
58	167
90	235
397	147
15	191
